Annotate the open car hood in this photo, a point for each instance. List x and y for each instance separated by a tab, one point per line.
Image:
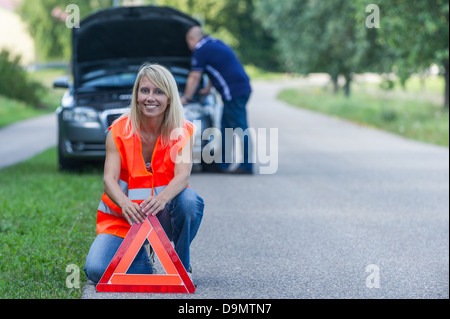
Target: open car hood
125	37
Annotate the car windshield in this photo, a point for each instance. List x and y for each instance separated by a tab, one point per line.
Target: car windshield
110	80
102	80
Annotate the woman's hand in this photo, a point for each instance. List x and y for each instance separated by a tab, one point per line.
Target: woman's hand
153	205
132	212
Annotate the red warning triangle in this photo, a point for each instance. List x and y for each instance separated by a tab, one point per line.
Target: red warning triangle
115	278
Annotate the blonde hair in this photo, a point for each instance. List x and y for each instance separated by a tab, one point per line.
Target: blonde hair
174	114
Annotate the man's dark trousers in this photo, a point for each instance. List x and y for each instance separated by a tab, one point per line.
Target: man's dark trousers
235	116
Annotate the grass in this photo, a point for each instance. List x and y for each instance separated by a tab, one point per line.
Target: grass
12	111
47	222
47	76
414	113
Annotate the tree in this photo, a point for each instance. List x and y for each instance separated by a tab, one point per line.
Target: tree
15	83
230	20
254	44
233	22
331	36
419	33
45	24
324	36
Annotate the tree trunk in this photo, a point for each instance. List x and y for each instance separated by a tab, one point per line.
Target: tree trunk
335	79
446	84
348	80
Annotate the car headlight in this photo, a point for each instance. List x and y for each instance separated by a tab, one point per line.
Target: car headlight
80	114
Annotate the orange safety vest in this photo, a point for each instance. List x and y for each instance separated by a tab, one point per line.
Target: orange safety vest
135	180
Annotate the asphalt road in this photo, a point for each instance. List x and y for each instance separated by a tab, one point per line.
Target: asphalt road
351	212
27	138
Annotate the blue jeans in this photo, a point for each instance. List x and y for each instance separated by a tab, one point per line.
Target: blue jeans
235	116
180	219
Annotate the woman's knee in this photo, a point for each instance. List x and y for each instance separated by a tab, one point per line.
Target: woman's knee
189	202
94	270
100	255
187	207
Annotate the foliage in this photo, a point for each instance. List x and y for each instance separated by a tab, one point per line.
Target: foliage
418	31
230	20
46	24
323	36
13	110
331	36
15	82
256	46
233	22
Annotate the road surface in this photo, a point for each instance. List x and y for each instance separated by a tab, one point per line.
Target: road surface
25	139
351	212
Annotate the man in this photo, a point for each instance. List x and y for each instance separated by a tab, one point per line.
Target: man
228	76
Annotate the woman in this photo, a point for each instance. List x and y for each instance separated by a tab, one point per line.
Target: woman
147	168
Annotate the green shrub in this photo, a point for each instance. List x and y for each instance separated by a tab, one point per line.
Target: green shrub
15	83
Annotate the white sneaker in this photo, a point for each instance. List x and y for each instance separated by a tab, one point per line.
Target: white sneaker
191	276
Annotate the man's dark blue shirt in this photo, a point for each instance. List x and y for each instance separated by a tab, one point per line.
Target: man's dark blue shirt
222	66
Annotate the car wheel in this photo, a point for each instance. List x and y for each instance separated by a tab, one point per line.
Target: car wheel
65	164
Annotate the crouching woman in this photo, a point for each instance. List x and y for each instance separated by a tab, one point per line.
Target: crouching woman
147	168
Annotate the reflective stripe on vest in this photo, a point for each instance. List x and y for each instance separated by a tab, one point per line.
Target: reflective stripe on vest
135	181
138	194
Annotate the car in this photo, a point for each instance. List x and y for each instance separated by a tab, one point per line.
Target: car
108	49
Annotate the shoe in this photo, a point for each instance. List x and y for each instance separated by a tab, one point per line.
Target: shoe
191	277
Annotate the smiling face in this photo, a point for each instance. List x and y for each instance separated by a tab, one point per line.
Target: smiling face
156	104
152	101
